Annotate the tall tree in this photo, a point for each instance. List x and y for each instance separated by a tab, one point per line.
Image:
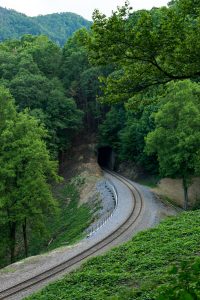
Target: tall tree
26	169
110	128
30	69
147	48
7	108
132	138
176	138
81	79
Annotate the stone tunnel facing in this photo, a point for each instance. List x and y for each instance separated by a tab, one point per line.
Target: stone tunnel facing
106	157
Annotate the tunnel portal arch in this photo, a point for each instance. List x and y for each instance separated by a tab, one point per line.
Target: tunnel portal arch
106	157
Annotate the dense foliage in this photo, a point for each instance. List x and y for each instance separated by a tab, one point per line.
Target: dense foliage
30	69
176	138
45	117
58	27
186	284
147	47
138	268
53	90
81	79
156	69
26	168
148	60
68	224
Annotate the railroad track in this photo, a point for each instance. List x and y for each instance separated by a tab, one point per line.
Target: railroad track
14	291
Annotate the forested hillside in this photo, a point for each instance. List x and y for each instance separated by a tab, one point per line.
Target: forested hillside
58	27
154	89
48	97
134	81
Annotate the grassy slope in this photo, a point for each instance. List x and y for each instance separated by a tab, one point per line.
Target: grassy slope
141	263
63	228
69	224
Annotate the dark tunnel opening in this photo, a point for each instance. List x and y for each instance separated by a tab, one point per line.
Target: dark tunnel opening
106	157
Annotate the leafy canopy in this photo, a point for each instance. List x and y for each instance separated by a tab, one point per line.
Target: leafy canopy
25	173
146	48
176	138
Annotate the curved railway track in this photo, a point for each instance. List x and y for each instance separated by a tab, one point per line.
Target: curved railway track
93	250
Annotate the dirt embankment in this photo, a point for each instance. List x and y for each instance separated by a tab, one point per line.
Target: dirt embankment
166	187
82	161
173	189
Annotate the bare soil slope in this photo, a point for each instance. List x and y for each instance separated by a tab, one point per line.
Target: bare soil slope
172	188
82	162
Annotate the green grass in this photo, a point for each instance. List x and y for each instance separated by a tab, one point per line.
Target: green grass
136	268
68	225
64	227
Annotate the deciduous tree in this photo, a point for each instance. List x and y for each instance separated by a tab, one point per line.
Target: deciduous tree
26	169
147	48
176	138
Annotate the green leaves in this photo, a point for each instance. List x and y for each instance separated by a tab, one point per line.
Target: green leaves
109	129
58	26
186	285
139	269
26	169
30	69
7	108
176	138
148	47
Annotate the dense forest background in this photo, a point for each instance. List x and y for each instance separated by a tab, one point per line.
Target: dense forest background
48	97
58	26
132	79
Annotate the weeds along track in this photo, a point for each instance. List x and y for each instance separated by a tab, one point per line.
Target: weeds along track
107	241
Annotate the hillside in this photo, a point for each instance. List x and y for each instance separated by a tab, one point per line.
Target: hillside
58	27
138	268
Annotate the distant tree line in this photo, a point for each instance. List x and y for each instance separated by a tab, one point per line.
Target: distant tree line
58	26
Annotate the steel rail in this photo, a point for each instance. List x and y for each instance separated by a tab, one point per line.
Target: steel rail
118	232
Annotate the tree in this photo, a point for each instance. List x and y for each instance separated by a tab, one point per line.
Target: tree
63	120
176	138
109	129
147	48
81	79
45	53
74	59
7	108
26	169
8	63
34	85
30	90
132	138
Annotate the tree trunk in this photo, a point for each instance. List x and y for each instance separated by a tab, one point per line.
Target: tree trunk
25	238
185	188
87	114
12	241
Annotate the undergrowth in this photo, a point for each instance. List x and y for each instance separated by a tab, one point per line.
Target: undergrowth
137	269
69	223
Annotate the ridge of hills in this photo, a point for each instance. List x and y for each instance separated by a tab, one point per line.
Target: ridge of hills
57	26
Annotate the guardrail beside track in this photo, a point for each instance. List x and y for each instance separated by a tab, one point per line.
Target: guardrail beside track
91	251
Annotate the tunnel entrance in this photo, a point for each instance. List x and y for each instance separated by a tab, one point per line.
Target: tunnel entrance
106	157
